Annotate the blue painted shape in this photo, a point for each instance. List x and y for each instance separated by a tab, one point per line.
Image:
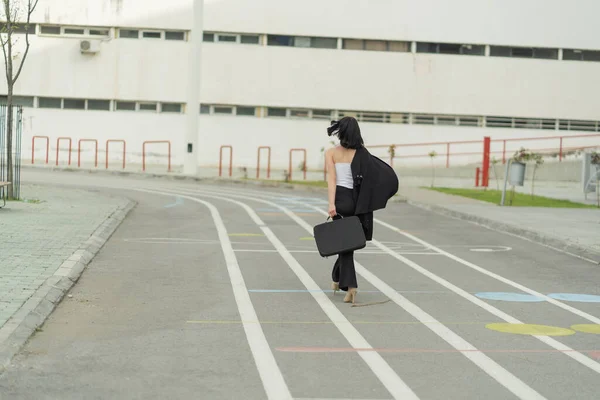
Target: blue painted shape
178	202
507	296
581	298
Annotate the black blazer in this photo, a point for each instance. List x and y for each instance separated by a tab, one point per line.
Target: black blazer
375	182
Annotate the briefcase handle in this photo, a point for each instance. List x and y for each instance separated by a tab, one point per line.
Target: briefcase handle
337	215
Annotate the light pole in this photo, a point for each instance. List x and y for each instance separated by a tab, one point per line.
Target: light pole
190	166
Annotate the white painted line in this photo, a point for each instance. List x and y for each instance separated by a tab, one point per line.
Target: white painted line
317	252
509	282
388	377
268	370
500	278
489	366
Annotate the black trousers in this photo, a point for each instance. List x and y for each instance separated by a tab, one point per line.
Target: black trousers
343	269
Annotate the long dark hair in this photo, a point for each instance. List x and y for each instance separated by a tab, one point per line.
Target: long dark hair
348	131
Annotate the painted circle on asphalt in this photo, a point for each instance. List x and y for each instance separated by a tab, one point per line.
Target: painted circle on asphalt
587	328
530	329
581	298
508	296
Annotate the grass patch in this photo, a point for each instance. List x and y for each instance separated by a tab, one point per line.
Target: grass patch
520	199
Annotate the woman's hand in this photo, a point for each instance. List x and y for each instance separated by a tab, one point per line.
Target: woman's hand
332	213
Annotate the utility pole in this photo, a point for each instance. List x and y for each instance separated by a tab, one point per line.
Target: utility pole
190	166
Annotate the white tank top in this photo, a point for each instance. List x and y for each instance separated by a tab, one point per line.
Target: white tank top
343	175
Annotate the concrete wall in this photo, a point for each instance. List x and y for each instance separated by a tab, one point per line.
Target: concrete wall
156	70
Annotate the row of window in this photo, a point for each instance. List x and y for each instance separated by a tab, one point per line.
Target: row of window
98	32
406	118
318	42
95	104
302	113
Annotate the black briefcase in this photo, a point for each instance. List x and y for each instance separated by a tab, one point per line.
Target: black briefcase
339	236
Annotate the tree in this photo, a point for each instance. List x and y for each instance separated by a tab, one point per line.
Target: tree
13	13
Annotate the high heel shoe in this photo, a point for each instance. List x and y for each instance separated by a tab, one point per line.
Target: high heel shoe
335	286
350	296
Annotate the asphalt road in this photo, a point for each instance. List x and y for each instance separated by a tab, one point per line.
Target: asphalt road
217	292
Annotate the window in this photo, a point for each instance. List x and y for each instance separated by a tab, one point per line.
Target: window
50	30
581	55
322	114
524	52
375	45
402	47
547	54
204	109
450	48
500	51
49	102
279	40
323	43
373	117
74	104
499	122
445	120
148	107
20	29
171	108
276	112
575	125
353	44
125	105
129	33
549	124
209	37
250	39
398	118
227	38
247	111
223	110
99	32
299	113
527	123
424	119
24	101
173	35
469	121
152	35
472	49
74	31
98	105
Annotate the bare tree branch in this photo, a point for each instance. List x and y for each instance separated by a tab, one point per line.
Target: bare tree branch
30	9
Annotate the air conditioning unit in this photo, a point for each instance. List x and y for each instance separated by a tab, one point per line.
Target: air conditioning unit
89	46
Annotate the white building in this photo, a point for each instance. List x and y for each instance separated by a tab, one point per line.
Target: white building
274	72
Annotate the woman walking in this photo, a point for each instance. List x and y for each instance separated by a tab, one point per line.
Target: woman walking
358	184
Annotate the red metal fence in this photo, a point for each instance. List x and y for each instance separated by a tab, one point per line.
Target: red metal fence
292	151
268	148
95	151
124	149
58	147
230	160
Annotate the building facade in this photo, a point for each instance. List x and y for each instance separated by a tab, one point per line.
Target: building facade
275	72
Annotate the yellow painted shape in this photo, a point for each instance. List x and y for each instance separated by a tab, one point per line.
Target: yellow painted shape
307	238
246	234
587	328
530	329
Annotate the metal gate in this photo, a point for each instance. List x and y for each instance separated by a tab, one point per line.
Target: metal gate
17	131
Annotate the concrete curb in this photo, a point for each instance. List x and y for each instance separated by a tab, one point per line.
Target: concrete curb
546	240
21	326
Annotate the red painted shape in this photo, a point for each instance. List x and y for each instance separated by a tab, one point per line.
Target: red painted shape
477	173
485	176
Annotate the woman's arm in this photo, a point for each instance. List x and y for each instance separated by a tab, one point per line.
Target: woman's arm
331	182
